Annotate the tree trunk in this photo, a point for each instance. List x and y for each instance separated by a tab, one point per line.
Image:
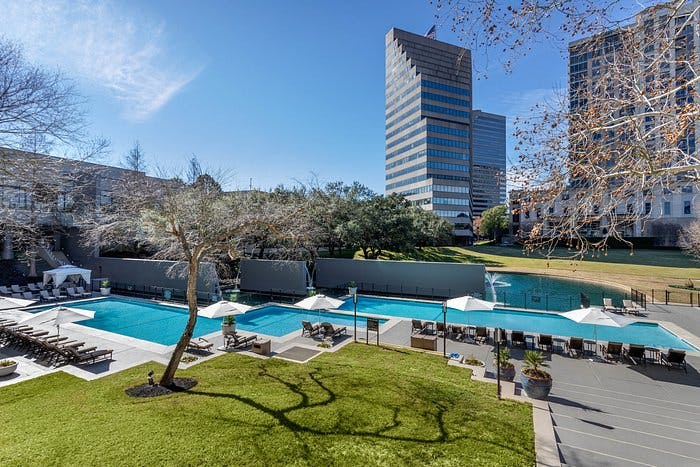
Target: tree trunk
365	253
169	374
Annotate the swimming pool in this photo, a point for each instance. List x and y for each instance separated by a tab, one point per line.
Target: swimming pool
163	324
649	334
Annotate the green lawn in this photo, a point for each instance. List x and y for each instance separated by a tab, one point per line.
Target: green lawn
362	405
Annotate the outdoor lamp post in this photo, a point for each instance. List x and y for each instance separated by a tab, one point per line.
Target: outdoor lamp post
354	302
444	329
497	333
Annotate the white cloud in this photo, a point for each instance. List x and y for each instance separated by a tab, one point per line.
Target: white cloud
102	45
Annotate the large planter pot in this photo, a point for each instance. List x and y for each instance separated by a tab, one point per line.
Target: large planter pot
536	388
228	329
105	290
508	374
352	291
8	370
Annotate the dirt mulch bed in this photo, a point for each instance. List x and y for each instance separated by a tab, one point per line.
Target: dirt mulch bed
146	390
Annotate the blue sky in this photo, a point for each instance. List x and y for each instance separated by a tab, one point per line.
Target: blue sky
274	91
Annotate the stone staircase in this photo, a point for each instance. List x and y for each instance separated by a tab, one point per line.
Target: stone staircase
52	258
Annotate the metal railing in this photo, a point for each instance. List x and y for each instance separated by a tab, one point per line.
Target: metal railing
640	298
675	297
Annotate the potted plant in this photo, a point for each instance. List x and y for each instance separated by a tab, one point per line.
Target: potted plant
502	359
477	366
228	325
104	287
536	382
352	288
7	367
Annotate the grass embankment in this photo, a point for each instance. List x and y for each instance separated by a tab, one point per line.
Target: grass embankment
359	406
644	270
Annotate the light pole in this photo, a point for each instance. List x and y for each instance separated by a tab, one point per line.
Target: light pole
354	302
444	329
497	335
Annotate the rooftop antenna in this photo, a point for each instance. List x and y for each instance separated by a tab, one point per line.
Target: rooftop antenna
250	184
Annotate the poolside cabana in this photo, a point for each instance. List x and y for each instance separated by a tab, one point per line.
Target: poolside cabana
59	275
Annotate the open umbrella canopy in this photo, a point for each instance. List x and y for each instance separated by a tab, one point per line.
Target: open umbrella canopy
596	316
223	308
319	302
59	315
7	303
469	303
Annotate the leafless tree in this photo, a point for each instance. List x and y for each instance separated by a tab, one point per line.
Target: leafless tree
188	223
689	239
136	159
595	158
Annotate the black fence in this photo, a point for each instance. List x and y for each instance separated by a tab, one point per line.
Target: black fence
676	297
433	293
639	298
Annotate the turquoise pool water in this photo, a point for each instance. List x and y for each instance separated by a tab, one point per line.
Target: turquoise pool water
648	334
534	291
164	324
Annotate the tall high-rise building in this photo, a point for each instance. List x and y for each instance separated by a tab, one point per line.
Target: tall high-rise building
429	128
488	161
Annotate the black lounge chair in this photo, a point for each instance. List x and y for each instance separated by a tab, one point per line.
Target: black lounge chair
482	334
636	354
517	338
235	341
575	346
544	342
310	329
329	330
416	326
674	359
200	344
88	355
613	351
501	335
458	331
440	326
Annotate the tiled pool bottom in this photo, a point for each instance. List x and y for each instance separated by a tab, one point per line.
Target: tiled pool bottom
649	334
163	324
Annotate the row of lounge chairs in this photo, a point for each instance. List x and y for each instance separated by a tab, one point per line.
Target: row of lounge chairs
52	348
325	329
236	341
454	331
53	295
628	306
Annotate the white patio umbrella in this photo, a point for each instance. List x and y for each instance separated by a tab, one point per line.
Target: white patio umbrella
7	303
58	316
223	308
468	303
318	303
597	317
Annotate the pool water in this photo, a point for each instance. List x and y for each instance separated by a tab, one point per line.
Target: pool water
538	292
649	334
163	324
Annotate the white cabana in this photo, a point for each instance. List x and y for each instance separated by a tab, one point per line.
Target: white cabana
59	275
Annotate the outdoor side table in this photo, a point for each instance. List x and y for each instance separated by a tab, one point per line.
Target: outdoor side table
261	347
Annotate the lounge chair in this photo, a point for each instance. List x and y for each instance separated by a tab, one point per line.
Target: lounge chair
482	334
58	295
501	335
417	326
674	359
33	288
628	306
575	346
87	356
16	289
4	290
636	354
235	341
200	344
608	305
71	293
544	342
81	291
612	351
458	331
440	327
310	329
329	330
17	295
44	295
28	296
517	337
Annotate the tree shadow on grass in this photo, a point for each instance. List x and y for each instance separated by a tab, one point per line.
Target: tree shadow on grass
442	255
283	416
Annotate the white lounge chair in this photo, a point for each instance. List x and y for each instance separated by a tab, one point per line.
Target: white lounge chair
71	293
628	306
33	288
608	305
4	290
28	296
81	291
44	295
17	295
16	288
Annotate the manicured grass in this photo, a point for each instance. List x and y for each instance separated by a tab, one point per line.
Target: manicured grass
362	405
644	270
